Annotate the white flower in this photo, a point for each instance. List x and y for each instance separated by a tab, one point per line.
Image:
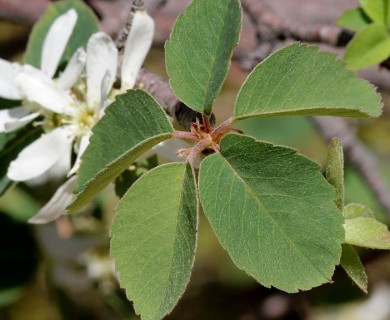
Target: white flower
137	46
75	115
69	115
52	50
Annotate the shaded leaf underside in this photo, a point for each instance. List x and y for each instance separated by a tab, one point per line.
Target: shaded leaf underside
352	265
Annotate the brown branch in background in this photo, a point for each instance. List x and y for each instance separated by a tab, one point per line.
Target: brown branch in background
153	6
357	154
263	50
159	88
22	11
269	24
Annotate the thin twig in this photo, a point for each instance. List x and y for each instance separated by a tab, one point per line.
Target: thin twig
124	33
357	154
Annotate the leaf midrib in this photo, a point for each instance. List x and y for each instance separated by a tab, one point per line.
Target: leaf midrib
271	217
161	307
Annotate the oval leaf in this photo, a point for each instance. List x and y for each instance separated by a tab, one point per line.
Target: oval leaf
367	232
369	47
86	25
273	212
299	80
132	125
352	265
357	210
154	238
376	10
354	19
335	170
199	49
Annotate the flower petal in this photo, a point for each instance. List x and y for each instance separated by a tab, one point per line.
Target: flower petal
8	86
84	142
15	118
102	56
56	40
41	155
105	88
55	174
57	204
137	46
73	70
38	88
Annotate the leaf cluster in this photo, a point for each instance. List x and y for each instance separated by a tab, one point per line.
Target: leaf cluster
371	44
270	207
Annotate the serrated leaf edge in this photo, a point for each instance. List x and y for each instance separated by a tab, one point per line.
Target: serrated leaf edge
310	111
336	261
167	43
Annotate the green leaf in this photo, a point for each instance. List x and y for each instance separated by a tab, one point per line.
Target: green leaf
129	176
352	265
154	238
299	80
376	10
86	25
19	204
199	49
367	232
335	170
132	125
369	47
354	19
273	212
357	210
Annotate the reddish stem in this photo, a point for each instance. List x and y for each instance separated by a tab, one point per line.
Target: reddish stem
216	133
185	135
197	149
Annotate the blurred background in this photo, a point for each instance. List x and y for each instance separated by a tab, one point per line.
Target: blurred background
63	271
